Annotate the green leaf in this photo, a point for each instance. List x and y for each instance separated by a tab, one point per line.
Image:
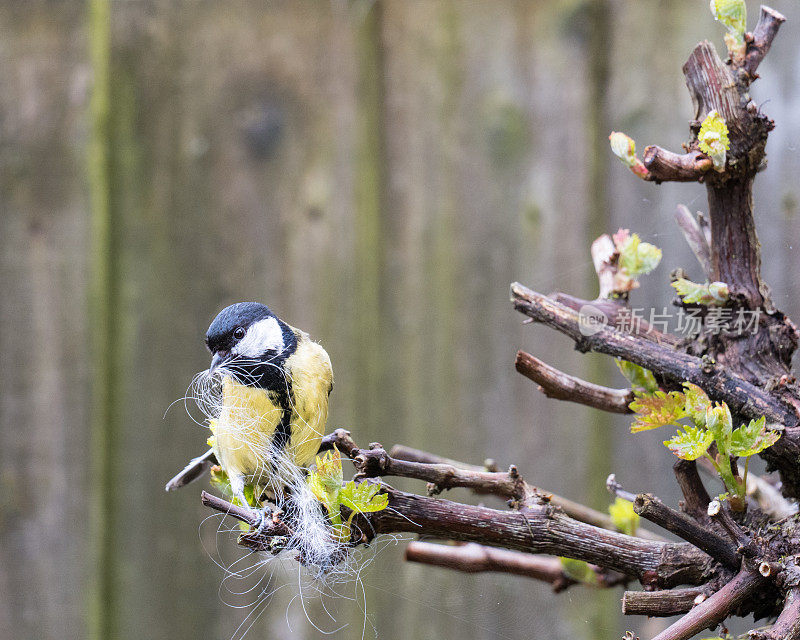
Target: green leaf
639	377
325	482
752	438
697	403
657	410
579	571
720	423
709	294
626	520
637	257
691	443
220	480
363	498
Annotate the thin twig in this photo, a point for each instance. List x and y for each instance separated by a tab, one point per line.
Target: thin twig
402	452
562	386
719	512
652	509
695	237
475	558
666	166
660	603
769	21
615	489
247	516
695	496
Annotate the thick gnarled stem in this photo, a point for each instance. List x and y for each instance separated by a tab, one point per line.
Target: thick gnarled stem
540	529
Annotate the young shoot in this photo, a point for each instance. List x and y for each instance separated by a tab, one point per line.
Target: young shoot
711	424
732	14
579	571
713	138
641	379
624	148
632	258
625	519
325	482
708	294
636	257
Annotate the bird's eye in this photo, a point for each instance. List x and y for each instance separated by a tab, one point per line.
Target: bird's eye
238	333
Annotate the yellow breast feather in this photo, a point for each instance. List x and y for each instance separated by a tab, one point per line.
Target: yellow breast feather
312	380
244	429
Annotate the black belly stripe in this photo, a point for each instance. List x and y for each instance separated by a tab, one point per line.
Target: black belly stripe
283	431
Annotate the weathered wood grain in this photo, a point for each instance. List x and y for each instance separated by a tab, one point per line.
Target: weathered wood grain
378	174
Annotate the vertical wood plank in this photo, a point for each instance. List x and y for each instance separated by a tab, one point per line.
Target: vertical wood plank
375	172
43	337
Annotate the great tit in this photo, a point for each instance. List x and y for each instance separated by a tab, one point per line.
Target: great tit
274	402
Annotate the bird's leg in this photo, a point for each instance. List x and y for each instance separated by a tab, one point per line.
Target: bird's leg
237	488
268	515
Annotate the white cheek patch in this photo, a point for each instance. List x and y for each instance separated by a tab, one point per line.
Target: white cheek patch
264	335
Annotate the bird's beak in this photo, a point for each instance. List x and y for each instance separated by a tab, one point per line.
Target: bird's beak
218	359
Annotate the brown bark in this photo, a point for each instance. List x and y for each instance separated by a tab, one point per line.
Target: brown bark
735	249
787	626
476	558
716	608
539	529
695	496
666	166
562	386
443	473
652	509
660	604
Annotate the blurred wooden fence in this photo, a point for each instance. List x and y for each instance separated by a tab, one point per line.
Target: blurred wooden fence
377	172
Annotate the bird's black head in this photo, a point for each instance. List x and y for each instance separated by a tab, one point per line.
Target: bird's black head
248	332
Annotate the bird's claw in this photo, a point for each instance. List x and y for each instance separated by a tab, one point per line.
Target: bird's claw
266	518
261	523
